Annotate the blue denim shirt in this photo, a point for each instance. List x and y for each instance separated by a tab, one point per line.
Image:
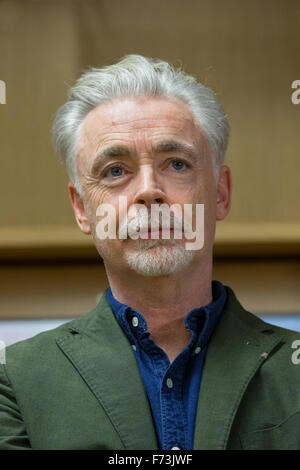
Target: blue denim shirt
172	388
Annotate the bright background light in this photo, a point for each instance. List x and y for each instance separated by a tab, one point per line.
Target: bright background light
12	331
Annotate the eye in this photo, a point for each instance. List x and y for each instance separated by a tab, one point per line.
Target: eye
115	171
178	165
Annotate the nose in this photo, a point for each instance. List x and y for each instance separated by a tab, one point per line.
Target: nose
148	191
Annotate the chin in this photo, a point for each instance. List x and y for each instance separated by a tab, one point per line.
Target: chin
155	258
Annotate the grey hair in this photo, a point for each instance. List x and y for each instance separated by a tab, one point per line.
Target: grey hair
136	76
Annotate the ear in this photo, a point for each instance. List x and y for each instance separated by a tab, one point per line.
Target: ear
79	210
224	190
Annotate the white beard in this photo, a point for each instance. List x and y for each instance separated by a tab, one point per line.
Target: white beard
150	257
159	257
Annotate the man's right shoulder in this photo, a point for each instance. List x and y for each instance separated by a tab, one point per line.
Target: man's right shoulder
43	347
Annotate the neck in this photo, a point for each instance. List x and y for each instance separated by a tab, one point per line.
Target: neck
165	301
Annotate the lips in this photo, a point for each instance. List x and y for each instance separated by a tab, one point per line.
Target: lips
156	233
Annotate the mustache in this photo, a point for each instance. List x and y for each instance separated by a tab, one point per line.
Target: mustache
143	221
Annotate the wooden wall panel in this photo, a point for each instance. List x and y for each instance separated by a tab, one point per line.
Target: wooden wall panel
38	59
246	51
68	290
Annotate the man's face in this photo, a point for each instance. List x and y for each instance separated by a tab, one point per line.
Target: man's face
149	151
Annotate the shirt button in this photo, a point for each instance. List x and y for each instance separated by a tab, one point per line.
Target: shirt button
169	383
134	347
135	321
175	448
197	350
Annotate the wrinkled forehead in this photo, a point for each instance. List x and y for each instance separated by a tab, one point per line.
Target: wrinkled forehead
128	119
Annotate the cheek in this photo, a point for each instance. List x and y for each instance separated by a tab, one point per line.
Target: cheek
94	195
95	198
203	192
210	207
206	194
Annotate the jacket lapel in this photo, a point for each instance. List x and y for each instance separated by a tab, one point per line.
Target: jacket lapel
102	355
237	349
98	349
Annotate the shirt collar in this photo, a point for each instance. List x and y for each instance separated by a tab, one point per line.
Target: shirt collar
200	321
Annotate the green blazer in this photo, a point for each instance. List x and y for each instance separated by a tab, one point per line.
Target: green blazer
79	387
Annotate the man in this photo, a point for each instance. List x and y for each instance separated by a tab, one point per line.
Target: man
168	359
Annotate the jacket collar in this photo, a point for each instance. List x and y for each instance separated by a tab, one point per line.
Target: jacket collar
239	346
237	349
99	350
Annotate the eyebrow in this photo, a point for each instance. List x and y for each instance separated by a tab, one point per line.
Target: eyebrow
171	146
165	146
114	151
106	154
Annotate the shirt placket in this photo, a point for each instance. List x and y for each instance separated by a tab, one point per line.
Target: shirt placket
174	423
